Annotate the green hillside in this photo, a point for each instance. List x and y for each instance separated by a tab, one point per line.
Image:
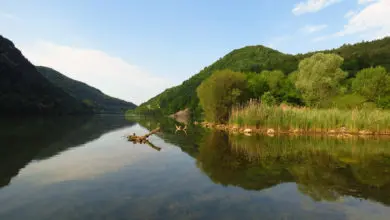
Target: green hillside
247	59
259	58
23	90
100	102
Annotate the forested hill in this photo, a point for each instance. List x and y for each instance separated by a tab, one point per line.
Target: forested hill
100	102
247	59
259	58
23	90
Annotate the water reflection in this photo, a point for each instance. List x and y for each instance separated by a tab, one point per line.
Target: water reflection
86	169
23	140
326	169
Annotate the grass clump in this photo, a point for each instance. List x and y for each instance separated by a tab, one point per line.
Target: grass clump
285	118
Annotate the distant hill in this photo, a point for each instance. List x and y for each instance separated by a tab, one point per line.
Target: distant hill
23	90
259	58
100	102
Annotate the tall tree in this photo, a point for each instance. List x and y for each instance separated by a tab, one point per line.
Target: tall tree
319	76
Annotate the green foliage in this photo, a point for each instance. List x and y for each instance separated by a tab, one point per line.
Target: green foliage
274	79
246	60
384	102
255	59
372	83
257	85
268	99
349	101
319	77
361	55
220	92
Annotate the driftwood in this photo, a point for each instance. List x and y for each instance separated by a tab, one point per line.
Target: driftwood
179	128
153	146
143	139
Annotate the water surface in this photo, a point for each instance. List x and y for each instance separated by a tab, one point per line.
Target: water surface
84	168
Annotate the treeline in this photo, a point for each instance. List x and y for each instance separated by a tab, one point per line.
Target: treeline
318	82
274	75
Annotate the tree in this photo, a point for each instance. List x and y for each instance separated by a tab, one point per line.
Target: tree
257	85
319	76
274	79
372	83
268	99
220	92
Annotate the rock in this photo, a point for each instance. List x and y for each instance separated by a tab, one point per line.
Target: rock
270	131
296	130
247	130
343	129
365	132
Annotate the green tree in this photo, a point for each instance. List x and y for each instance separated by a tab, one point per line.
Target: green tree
274	79
220	92
372	83
257	85
319	76
268	99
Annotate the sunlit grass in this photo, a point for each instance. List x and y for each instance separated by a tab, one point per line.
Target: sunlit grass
310	119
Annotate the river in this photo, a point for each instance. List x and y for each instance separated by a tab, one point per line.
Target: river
84	168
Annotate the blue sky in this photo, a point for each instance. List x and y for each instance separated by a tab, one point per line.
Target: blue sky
135	49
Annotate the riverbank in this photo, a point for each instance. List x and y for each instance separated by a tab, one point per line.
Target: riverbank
257	118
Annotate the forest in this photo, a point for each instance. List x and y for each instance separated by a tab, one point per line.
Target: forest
349	77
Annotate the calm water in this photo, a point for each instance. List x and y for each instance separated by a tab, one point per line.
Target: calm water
84	168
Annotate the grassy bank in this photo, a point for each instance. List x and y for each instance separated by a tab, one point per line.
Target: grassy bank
255	115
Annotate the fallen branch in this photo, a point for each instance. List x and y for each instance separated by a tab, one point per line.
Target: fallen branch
142	139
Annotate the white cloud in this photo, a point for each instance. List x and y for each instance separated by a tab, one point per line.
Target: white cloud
314	28
361	2
373	20
311	6
105	155
112	75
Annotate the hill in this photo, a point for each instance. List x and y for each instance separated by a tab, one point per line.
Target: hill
259	58
23	90
247	59
100	102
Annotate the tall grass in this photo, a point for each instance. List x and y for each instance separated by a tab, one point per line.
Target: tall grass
284	118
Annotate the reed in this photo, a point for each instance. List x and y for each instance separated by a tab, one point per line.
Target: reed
286	118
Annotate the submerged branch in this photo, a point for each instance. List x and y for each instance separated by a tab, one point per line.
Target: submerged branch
144	139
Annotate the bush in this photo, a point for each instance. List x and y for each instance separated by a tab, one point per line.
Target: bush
372	83
268	99
220	92
384	102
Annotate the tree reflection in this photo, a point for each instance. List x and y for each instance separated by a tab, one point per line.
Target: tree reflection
323	168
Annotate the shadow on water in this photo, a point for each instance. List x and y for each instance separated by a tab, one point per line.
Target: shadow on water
23	140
